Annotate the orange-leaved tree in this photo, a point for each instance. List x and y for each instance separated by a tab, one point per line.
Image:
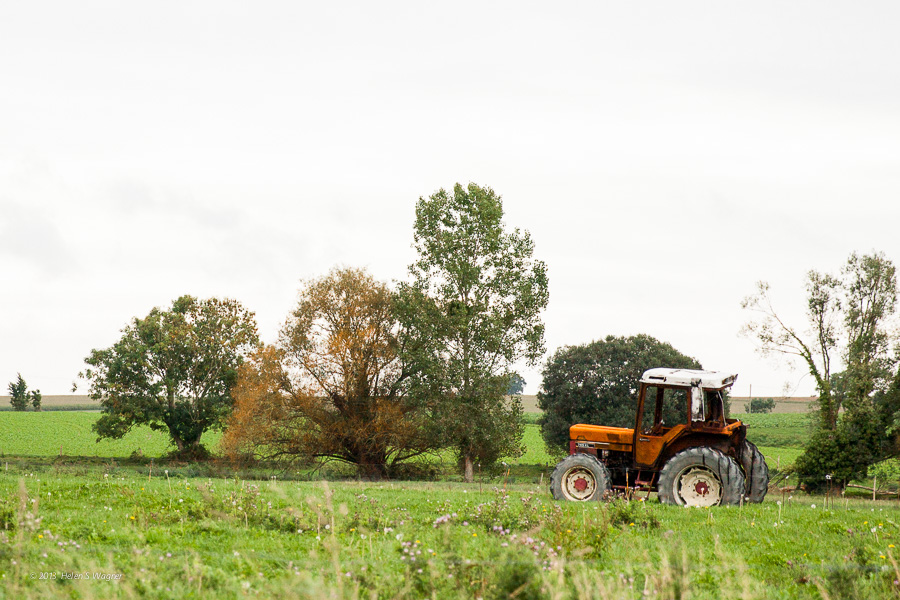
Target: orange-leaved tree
333	386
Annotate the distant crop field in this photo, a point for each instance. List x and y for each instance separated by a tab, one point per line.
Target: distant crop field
69	433
60	401
782	405
777	430
530	405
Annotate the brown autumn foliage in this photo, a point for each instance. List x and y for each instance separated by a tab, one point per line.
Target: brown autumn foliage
333	387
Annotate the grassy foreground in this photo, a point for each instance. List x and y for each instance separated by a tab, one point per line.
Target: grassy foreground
81	530
168	537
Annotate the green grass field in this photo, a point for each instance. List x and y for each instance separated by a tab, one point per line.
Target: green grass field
171	534
777	430
69	433
181	537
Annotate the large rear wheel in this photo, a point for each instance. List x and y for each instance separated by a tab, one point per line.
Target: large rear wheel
701	477
756	472
579	477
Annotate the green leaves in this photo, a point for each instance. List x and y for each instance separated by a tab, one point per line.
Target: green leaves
473	309
847	319
36	396
173	369
760	406
20	397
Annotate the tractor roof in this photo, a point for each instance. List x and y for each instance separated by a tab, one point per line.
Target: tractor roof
708	380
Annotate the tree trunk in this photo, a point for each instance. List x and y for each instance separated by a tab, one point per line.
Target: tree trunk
470	469
372	471
371	465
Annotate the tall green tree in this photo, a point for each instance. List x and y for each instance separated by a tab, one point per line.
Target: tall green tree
816	349
870	291
473	309
173	370
18	393
848	319
599	382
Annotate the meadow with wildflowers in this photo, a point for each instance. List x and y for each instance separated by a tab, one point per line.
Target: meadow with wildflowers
101	531
118	528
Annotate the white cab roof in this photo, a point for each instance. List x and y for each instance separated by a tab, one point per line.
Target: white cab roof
709	380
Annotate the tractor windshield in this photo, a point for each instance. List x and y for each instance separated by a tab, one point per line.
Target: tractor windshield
663	408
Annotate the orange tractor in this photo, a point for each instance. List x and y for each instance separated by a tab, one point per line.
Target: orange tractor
698	458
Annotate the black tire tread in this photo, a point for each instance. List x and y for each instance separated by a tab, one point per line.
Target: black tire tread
756	472
584	460
724	466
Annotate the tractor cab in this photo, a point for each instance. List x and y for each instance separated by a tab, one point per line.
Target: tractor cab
676	404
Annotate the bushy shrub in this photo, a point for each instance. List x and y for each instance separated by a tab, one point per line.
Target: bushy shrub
845	453
760	405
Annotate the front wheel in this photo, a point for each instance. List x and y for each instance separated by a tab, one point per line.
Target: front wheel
701	477
579	477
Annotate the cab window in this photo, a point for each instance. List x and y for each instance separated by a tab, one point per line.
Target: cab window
663	409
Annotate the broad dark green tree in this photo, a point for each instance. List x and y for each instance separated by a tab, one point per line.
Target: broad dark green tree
598	383
18	393
173	370
473	309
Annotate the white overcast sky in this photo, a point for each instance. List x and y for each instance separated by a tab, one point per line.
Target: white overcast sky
664	155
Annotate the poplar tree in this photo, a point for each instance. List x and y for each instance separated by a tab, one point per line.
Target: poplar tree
473	309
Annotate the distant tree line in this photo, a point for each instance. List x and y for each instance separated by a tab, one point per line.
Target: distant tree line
361	373
376	376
